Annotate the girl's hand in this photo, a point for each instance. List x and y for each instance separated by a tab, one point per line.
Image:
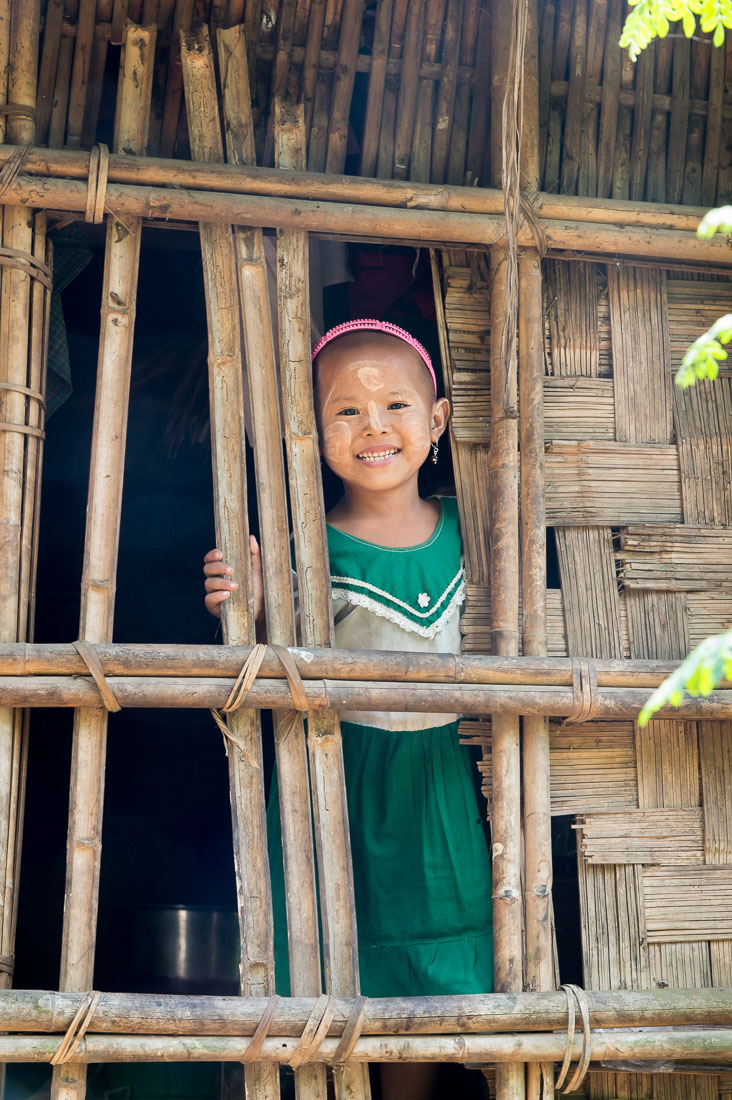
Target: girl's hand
219	582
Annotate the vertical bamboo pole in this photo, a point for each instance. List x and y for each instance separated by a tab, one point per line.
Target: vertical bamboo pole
335	870
86	798
507	890
228	448
539	975
289	728
19	43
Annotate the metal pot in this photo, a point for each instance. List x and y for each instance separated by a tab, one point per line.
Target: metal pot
186	949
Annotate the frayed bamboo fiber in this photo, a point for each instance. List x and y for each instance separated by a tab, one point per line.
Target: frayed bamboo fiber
330	809
289	733
313	663
246	783
162	1014
86	799
504	1050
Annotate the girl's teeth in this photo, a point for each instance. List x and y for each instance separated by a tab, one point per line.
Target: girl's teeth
376	457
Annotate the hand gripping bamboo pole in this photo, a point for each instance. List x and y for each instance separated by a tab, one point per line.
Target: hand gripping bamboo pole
311	549
122	254
226	381
539	969
289	727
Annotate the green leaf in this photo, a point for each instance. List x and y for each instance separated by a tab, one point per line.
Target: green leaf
704	668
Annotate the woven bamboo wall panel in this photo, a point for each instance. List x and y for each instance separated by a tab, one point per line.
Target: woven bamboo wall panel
688	558
715	754
579	408
588	483
592	765
590	592
703	420
687	903
643	836
639	328
693	307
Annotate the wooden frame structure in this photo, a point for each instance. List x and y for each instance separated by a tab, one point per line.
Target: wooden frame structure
524	278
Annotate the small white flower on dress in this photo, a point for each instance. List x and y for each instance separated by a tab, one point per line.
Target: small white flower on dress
423	599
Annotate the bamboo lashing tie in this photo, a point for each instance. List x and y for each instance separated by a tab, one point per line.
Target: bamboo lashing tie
89	656
529	213
315	1030
28	263
243	685
574	994
96	189
12	167
7	964
77	1029
255	1044
584	691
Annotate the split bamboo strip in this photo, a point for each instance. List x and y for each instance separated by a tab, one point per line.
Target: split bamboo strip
131	659
706	472
86	799
330	809
715	759
572	308
668	1045
579	408
254	896
590	591
289	732
162	1014
191	691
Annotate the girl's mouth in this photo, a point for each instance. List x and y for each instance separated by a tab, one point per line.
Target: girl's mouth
373	458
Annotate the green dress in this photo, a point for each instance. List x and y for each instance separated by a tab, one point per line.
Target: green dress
420	857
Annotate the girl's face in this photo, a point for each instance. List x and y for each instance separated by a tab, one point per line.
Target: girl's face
376	410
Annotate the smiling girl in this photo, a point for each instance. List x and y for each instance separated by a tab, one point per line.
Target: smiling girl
420	857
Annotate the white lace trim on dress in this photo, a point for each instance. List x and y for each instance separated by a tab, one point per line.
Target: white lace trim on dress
360	599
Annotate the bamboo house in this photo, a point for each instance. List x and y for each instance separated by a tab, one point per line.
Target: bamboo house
222	179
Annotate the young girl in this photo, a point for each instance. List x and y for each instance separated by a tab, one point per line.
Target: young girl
420	859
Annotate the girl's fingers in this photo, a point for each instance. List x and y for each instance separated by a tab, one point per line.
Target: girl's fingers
213	555
219	584
217	569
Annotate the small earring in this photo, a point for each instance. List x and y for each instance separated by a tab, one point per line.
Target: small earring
434	451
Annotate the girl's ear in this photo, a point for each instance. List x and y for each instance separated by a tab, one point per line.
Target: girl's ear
440	415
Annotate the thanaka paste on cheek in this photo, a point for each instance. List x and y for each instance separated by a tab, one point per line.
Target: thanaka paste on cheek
371	378
337	442
415	427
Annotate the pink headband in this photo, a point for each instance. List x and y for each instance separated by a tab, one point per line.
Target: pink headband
370	325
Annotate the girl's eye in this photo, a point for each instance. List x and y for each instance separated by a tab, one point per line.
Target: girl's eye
348	412
399	405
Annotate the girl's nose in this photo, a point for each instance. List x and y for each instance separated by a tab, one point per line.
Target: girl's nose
375	421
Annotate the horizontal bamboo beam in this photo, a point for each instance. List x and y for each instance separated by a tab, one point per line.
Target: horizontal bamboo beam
132	659
365	222
192	691
669	1045
73	164
157	1014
